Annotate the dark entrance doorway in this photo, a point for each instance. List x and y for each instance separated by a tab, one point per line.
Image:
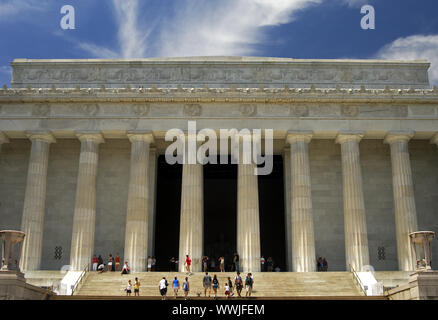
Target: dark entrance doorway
272	215
168	204
220	212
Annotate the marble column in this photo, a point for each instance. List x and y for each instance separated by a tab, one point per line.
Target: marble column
3	139
82	243
404	199
287	202
248	219
191	234
355	225
32	222
303	237
137	217
153	157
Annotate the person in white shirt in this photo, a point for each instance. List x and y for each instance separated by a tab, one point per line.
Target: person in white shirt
149	264
162	285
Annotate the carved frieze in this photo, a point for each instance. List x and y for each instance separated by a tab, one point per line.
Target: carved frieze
192	110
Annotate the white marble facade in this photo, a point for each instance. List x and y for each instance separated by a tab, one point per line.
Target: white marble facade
358	140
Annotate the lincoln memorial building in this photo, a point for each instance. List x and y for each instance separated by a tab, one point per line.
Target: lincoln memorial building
83	170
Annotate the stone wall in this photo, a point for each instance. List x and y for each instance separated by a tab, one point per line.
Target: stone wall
112	189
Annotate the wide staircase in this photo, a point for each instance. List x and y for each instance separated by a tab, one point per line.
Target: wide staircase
275	285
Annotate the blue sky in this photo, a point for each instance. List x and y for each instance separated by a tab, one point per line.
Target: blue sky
405	29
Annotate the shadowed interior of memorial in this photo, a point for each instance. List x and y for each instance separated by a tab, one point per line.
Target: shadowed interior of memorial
220	212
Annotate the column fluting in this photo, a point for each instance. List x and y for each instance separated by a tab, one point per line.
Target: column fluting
355	227
152	199
137	217
303	237
82	243
248	219
287	203
404	198
191	234
32	223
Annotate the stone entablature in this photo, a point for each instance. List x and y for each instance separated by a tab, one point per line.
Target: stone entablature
220	72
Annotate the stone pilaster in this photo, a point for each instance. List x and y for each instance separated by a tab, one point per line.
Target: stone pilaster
191	236
153	157
404	199
32	222
287	202
82	243
434	140
248	220
3	139
355	226
303	237
137	217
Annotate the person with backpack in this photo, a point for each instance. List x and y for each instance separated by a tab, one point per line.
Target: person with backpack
206	283
230	286
249	282
215	283
186	288
238	284
162	286
175	286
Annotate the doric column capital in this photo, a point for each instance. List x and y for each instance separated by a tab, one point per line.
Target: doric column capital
45	136
347	136
396	136
433	140
3	138
94	136
297	136
146	136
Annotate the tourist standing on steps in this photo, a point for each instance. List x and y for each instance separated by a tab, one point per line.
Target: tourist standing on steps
205	263
215	285
222	263
175	286
99	260
117	262
95	263
162	286
128	288
110	262
149	264
188	263
227	290
186	288
236	262
270	264
249	282
238	283
262	264
230	285
206	283
137	288
324	265
154	262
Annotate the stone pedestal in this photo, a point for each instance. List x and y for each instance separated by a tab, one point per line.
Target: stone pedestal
422	286
13	286
303	238
82	244
137	217
404	199
355	226
32	223
3	139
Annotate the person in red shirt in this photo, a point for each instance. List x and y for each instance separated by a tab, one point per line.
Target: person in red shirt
117	262
188	263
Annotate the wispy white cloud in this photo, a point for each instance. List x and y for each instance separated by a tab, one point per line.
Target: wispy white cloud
98	51
356	3
227	27
416	47
10	9
132	37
